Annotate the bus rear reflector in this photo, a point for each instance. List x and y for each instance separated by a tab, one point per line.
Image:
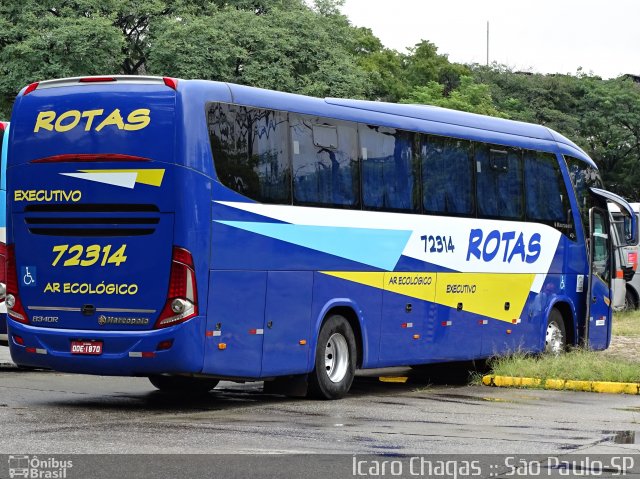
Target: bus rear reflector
15	310
89	157
31	88
164	345
182	297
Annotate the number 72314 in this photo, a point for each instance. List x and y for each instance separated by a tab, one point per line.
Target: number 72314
438	244
79	255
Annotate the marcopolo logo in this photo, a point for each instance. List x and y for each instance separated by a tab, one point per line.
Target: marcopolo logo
33	467
113	320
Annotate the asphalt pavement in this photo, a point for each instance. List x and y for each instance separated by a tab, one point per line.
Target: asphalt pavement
46	412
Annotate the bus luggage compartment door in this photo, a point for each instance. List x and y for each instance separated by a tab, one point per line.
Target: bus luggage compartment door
287	331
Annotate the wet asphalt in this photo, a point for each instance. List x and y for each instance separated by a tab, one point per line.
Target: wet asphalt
51	413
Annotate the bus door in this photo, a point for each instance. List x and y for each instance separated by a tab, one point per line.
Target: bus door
598	325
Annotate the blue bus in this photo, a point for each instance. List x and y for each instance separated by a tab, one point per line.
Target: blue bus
4	143
191	231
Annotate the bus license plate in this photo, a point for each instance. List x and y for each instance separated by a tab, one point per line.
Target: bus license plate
86	347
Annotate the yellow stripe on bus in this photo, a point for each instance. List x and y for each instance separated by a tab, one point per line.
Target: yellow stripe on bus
486	294
151	177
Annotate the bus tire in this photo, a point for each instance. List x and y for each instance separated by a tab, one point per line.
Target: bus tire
555	339
183	384
630	302
335	360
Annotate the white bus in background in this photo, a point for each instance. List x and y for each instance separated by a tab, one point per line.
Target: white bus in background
626	286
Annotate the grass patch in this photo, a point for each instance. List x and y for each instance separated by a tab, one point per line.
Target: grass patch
627	324
579	364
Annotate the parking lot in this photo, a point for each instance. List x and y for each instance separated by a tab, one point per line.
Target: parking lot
47	412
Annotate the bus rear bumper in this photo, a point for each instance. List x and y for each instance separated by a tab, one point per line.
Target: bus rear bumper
125	353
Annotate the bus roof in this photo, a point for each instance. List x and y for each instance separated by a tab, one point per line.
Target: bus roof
362	110
425	118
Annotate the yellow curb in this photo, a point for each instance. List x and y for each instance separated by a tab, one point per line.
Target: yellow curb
562	384
393	379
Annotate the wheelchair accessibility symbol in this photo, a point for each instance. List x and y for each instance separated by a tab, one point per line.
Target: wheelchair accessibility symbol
28	276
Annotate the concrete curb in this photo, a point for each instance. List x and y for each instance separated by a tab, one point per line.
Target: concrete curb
562	384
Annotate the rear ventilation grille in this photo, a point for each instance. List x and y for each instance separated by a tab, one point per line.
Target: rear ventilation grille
92	220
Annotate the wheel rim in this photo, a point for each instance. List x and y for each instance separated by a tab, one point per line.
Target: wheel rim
336	357
554	342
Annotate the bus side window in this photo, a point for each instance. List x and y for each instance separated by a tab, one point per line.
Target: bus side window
583	176
325	162
546	195
389	176
447	176
499	182
250	150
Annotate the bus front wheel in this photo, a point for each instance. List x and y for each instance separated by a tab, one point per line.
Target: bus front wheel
555	340
183	384
335	360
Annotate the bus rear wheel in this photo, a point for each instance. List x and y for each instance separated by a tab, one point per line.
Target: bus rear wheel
335	360
183	384
555	340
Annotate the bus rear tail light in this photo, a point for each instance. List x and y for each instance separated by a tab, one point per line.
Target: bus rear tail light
182	298
3	272
15	310
89	157
96	79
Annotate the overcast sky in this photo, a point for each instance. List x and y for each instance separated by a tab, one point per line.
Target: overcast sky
546	36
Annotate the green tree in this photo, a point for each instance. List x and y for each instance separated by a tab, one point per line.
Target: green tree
395	75
281	44
469	96
610	126
295	50
37	43
424	64
601	116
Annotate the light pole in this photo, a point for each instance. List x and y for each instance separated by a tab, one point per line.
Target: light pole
487	42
